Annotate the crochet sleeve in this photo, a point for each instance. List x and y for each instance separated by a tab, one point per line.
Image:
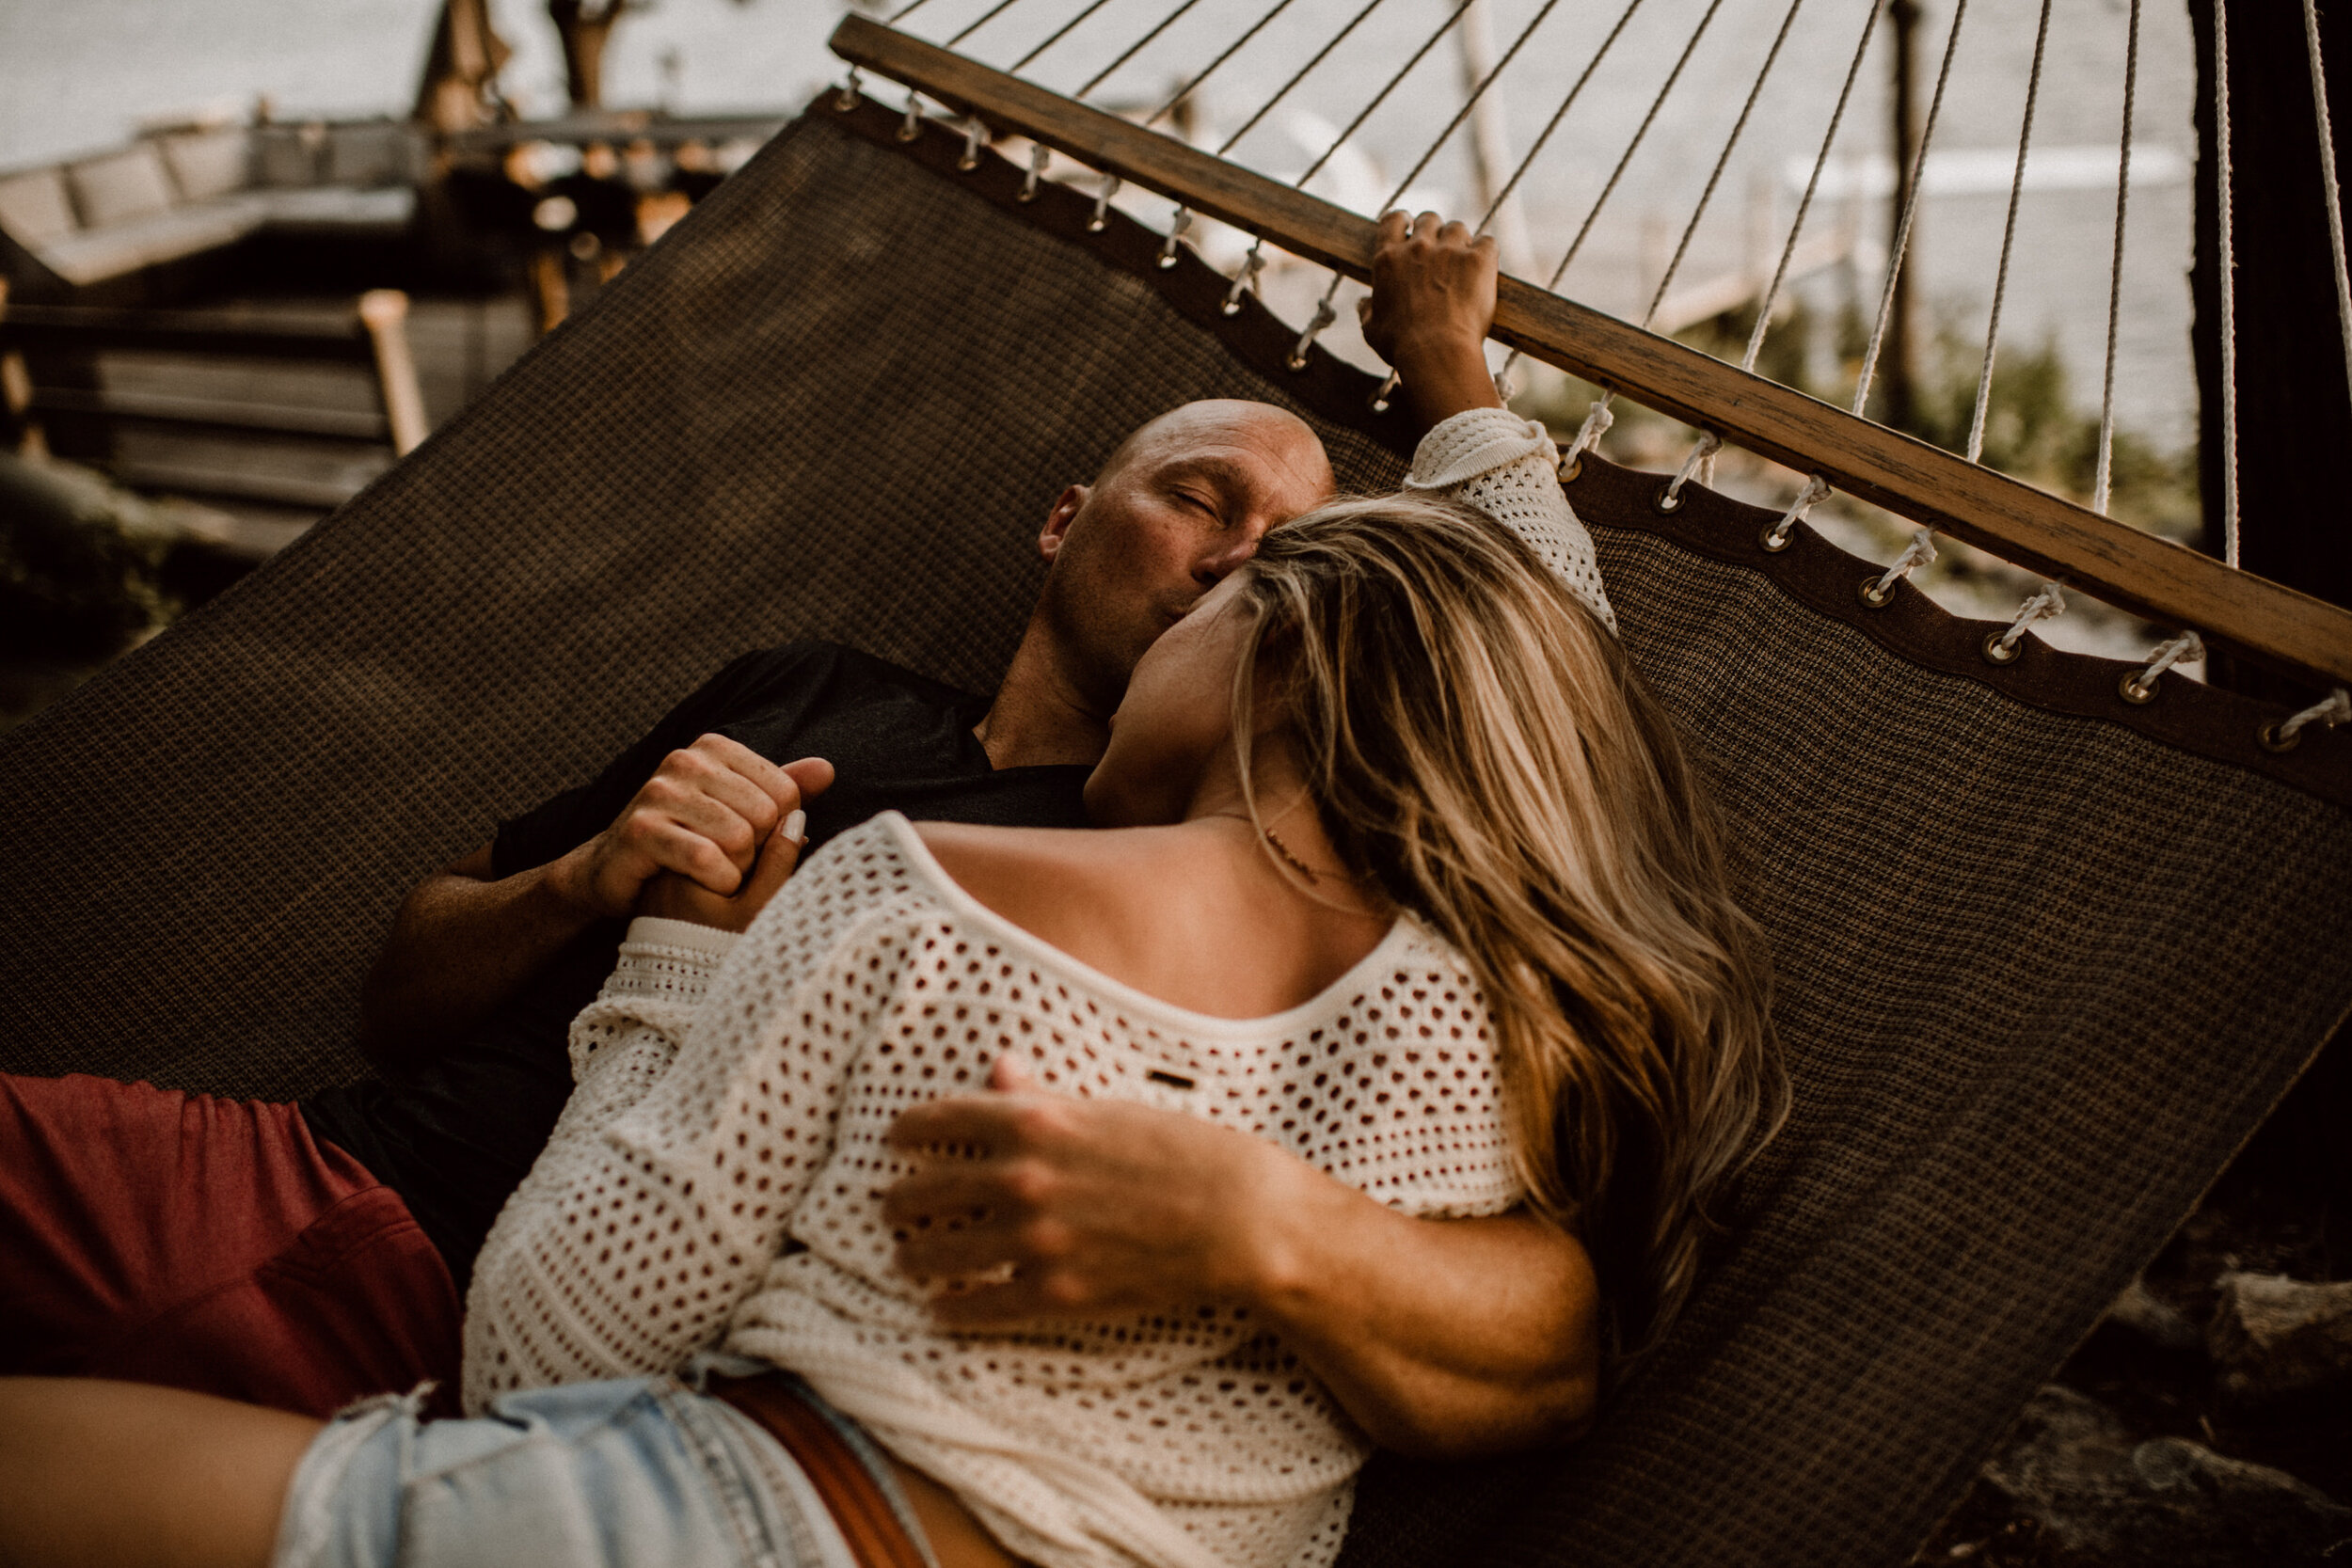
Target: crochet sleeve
1508	467
708	1094
523	1328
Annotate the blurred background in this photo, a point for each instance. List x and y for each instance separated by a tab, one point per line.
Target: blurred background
251	251
233	178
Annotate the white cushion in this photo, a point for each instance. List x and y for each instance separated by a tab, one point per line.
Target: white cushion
34	207
206	164
120	187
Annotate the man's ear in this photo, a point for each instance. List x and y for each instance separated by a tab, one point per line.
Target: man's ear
1056	529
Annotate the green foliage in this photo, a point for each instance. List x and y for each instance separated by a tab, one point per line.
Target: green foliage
2033	429
79	564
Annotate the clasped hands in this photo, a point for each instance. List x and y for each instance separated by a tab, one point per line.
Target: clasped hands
1050	1205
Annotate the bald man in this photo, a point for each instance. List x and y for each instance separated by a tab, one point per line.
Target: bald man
302	1255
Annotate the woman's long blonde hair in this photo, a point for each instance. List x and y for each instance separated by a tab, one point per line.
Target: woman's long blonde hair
1479	745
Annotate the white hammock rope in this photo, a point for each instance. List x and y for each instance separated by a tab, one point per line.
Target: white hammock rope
1700	465
1878	592
1134	49
1567	102
978	22
2008	242
2101	486
1895	252
2333	710
2229	283
2327	178
2047	604
1226	148
1181	219
1054	37
2139	685
1641	132
1815	491
1325	311
1207	71
1702	458
1254	262
1812	183
1723	160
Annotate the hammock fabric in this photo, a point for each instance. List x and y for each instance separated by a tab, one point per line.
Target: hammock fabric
2044	959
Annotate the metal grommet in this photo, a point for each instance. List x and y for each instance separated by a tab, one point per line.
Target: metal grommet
1027	193
1231	308
2132	693
910	128
1167	261
1380	404
966	163
1297	362
845	100
1773	540
2000	651
1669	499
2273	741
1873	597
1097	224
1574	470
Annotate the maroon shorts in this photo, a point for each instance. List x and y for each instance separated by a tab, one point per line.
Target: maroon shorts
210	1244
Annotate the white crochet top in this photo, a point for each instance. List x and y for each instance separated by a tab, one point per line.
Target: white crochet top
716	1181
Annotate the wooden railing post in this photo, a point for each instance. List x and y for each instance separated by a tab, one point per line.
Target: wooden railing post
385	313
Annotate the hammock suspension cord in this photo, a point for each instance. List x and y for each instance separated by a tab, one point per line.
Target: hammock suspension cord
2139	685
1206	71
1054	37
2047	603
1326	313
1879	592
2009	240
1132	50
2327	177
1503	376
1701	462
1898	251
1815	488
1805	203
1257	245
1599	419
2333	710
2114	273
2229	281
1255	260
1778	537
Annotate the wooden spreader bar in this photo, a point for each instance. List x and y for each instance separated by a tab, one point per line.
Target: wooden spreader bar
2168	583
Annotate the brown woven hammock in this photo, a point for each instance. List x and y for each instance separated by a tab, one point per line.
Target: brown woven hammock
2045	957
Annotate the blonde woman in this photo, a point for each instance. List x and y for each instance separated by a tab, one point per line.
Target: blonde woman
1089	1198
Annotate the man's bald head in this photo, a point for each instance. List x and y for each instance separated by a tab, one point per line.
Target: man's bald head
1180	503
1292	451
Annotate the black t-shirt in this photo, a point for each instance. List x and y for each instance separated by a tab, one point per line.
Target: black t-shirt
456	1136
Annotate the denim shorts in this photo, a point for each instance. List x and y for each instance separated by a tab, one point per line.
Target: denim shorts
637	1473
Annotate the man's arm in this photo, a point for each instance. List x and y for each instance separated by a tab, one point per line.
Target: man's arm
466	940
1440	1338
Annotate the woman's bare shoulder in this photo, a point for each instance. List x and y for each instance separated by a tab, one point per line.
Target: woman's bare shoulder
1058	883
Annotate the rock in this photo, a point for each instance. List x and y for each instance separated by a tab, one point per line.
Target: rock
2140	1313
2096	1499
2272	1336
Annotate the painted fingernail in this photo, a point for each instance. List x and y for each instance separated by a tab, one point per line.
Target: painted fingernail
794	825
